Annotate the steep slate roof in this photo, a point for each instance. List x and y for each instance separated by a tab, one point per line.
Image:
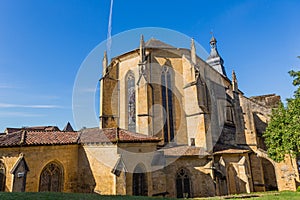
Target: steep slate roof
114	135
157	44
26	138
68	127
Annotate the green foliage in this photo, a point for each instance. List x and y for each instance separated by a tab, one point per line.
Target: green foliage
296	81
282	135
298	189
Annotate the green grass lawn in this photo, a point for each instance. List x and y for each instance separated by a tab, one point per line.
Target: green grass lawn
76	196
65	196
260	196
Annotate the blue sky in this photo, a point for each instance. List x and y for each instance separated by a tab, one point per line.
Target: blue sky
43	43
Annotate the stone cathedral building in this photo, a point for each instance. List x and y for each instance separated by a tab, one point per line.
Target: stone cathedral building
171	124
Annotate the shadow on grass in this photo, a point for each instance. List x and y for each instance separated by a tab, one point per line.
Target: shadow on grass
65	196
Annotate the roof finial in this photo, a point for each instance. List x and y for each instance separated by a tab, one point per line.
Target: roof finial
213	40
234	82
104	64
193	52
142	49
214	59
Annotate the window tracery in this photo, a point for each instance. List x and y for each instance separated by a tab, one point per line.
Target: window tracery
51	178
131	102
167	104
183	184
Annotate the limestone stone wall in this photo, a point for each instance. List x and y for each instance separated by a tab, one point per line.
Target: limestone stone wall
287	174
109	98
257	173
236	168
95	166
37	157
202	184
257	112
250	107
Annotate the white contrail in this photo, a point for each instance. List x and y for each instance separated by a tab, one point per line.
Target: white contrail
108	43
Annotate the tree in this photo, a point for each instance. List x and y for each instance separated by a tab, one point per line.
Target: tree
282	135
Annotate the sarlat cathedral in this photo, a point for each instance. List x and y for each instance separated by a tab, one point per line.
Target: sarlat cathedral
171	124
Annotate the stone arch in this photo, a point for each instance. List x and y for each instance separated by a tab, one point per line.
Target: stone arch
140	181
51	178
2	176
183	184
270	180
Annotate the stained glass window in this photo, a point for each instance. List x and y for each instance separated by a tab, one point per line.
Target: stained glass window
167	104
131	102
183	185
2	177
51	178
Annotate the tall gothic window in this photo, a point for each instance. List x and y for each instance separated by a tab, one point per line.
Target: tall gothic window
229	113
183	184
131	102
202	94
2	177
167	104
51	178
139	182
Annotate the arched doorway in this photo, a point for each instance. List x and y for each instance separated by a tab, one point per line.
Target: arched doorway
139	182
269	175
2	177
51	178
183	184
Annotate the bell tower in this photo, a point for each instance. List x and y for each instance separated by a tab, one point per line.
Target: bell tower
214	59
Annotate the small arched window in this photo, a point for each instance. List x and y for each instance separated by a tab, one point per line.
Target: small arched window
167	104
139	182
2	176
183	184
130	81
51	178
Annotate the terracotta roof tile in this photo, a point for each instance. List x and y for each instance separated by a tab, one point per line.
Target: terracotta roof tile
50	137
38	138
184	151
96	135
91	135
232	151
10	139
225	148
